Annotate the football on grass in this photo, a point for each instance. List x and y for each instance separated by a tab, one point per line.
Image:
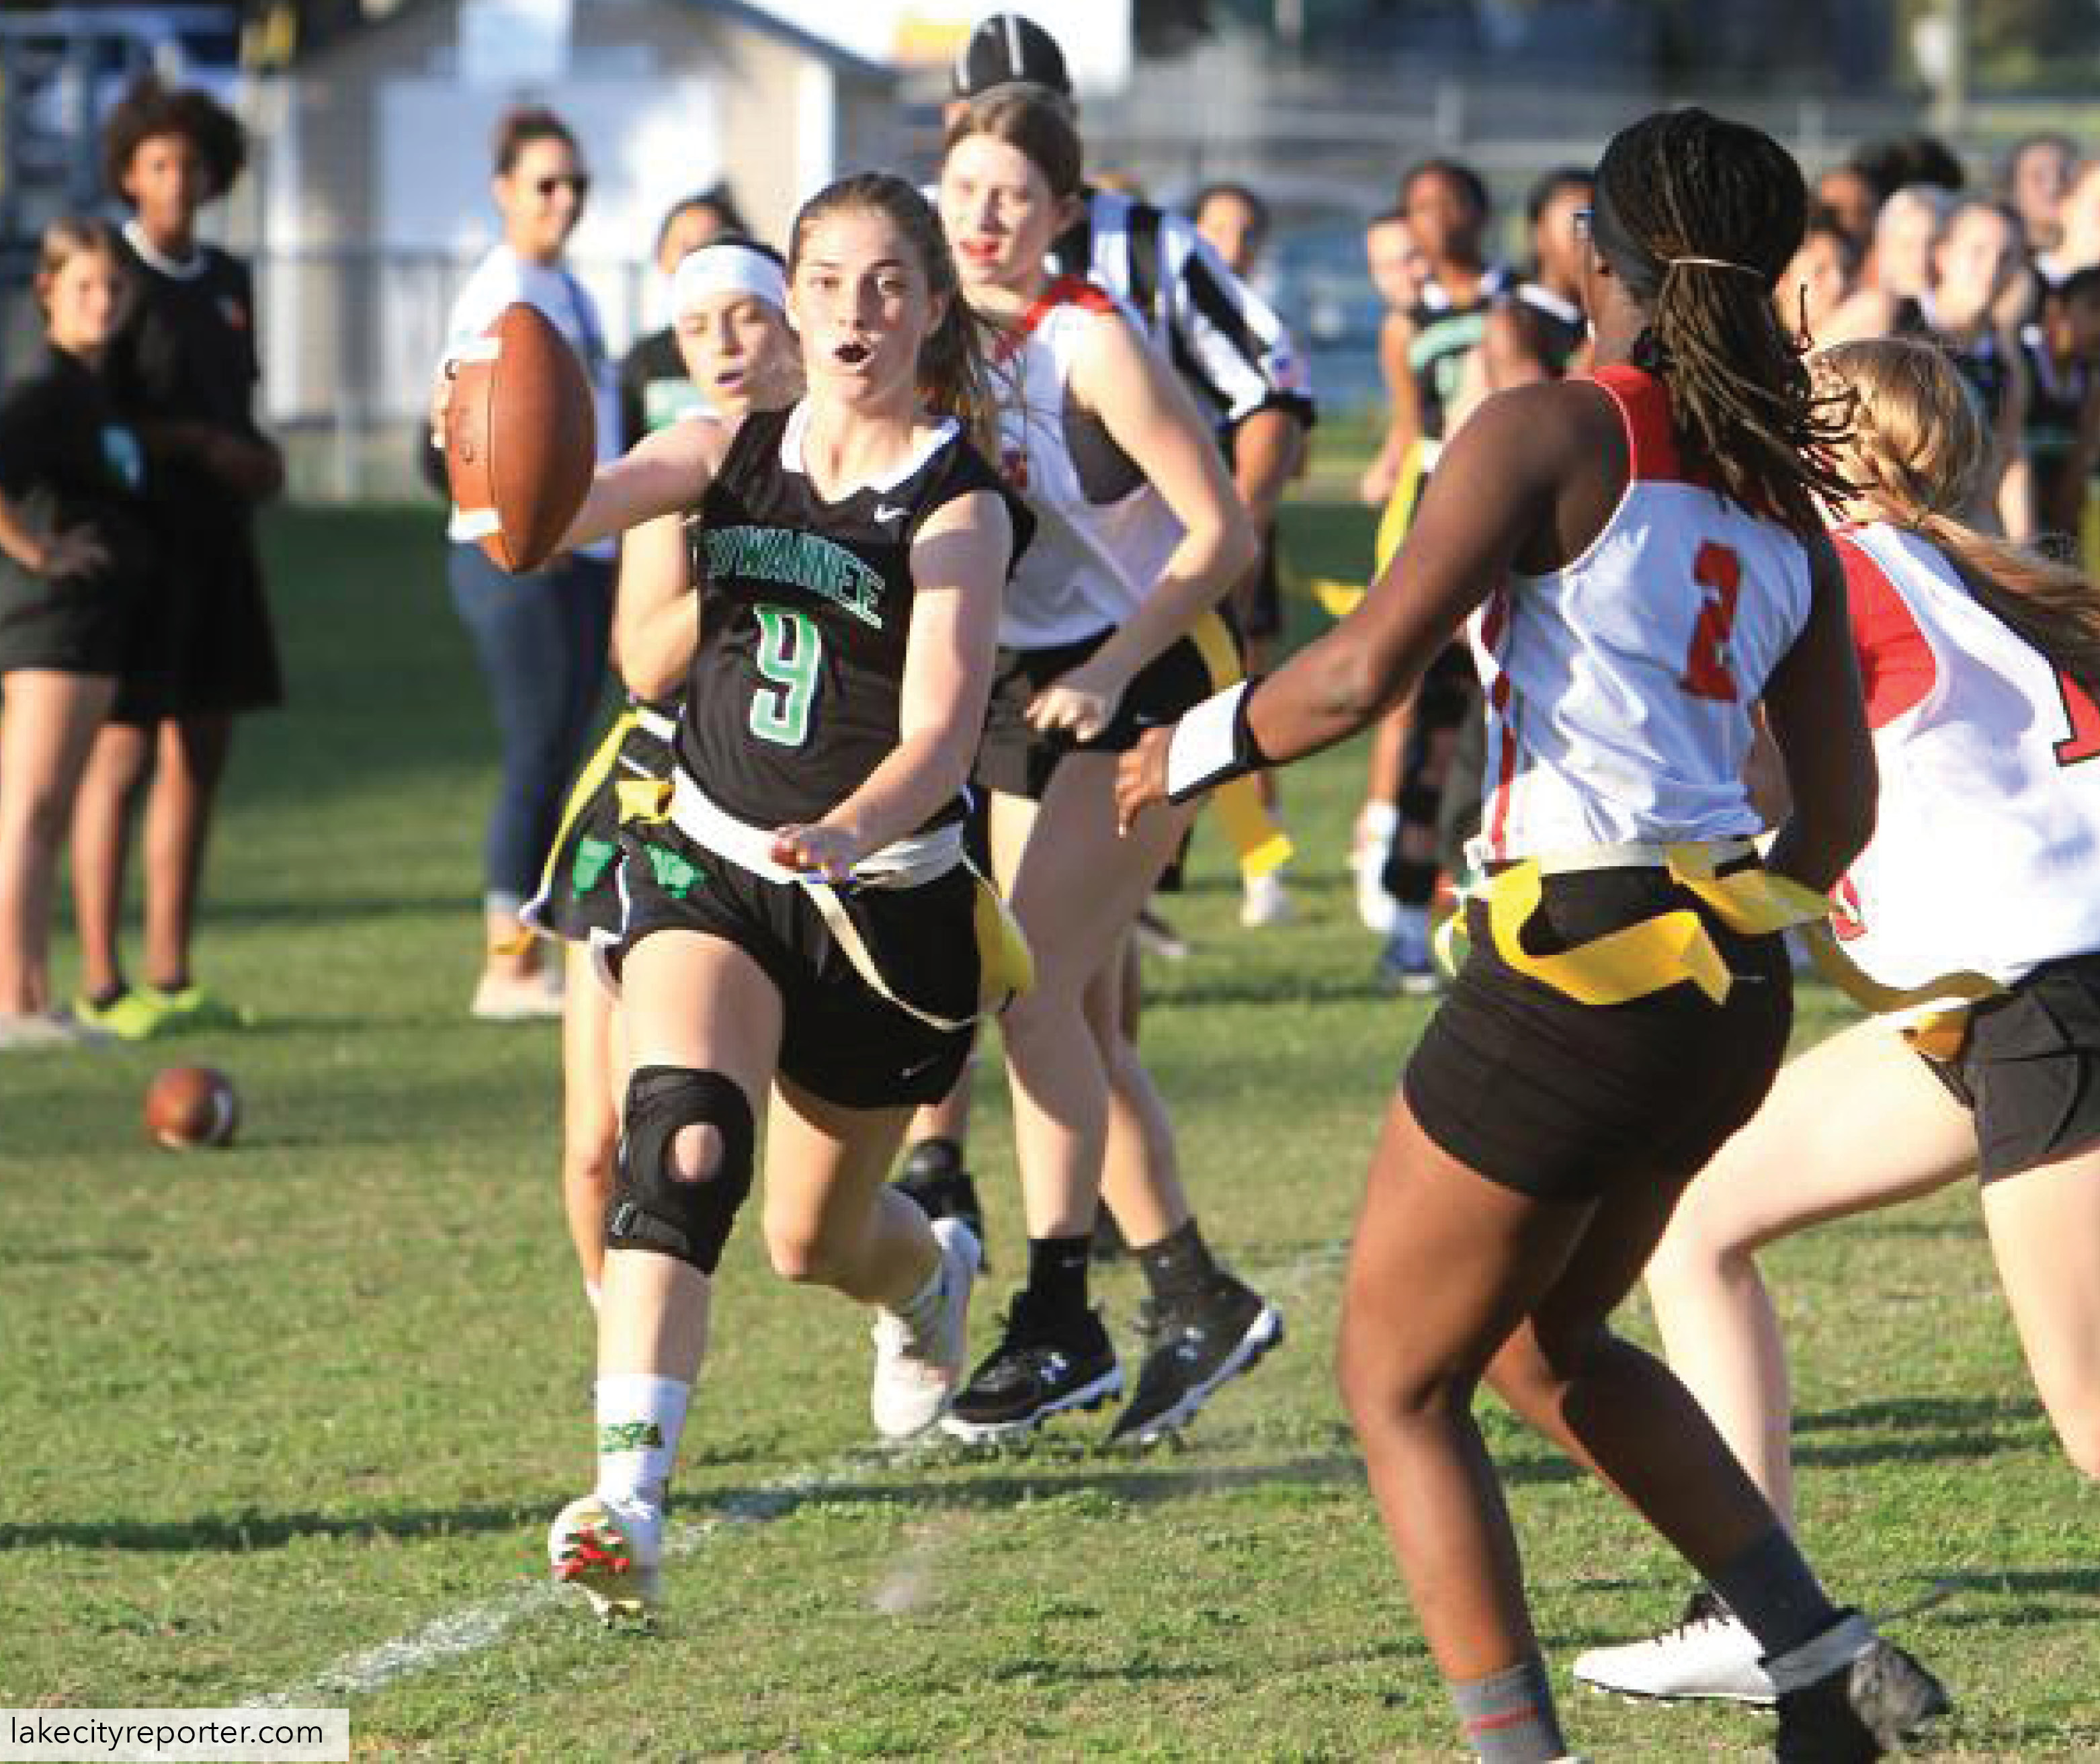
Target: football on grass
189	1106
521	437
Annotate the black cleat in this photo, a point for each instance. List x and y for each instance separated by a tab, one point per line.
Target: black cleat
1191	1349
1873	1699
932	1174
1043	1365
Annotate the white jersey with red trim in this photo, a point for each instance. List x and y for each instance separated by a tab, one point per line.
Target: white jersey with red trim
1986	853
1103	533
1619	687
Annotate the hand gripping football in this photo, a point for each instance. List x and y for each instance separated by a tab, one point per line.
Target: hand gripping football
521	437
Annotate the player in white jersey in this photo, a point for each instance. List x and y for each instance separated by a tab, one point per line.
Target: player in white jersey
1646	557
1973	913
1108	627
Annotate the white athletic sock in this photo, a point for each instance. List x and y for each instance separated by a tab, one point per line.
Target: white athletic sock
640	1417
922	1310
1377	822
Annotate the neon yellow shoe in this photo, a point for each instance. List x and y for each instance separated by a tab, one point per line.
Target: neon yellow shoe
131	1016
191	1007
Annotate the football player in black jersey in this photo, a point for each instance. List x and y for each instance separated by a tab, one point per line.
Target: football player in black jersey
184	372
732	343
800	922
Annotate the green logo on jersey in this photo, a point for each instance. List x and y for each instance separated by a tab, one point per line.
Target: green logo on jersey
676	876
593	857
800	560
629	1436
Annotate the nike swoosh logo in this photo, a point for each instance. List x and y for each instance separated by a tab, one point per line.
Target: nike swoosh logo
884	511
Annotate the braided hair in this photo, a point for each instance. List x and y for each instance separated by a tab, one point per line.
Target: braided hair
1698	217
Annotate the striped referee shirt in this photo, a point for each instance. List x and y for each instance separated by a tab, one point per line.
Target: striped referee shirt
1225	339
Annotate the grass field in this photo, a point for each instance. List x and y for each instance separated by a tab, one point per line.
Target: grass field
289	1421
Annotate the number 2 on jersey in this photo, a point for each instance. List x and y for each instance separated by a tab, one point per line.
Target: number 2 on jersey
790	650
1719	570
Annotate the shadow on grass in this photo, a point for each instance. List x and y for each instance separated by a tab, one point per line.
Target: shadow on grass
243	1533
1913	1430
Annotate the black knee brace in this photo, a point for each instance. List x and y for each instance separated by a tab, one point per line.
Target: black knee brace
651	1209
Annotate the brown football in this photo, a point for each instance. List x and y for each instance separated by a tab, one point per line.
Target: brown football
187	1106
521	437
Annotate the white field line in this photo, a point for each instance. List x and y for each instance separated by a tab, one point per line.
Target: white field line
475	1628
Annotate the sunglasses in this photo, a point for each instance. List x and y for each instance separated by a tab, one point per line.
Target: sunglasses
1580	221
577	181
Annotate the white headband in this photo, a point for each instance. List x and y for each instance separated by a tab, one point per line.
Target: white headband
724	269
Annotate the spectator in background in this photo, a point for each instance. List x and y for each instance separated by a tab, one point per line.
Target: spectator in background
2078	242
1819	279
655	389
182	372
1898	271
1978	258
73	556
2061	348
541	638
1849	197
1897	161
2038	176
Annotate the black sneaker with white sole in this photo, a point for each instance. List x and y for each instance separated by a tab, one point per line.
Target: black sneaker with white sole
1045	1362
1867	1700
1192	1348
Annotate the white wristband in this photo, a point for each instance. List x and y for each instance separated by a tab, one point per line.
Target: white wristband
1209	744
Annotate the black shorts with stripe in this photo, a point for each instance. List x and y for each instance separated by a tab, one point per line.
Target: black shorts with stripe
1561	1100
841	1040
578	899
1018	760
2029	1067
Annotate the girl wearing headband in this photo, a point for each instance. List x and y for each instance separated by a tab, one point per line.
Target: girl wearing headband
730	328
1642	557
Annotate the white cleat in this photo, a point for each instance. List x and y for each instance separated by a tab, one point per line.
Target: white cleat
612	1552
1264	901
918	1366
1708	1655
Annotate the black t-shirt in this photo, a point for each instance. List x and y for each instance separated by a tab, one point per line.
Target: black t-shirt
654	391
67	461
187	354
792	699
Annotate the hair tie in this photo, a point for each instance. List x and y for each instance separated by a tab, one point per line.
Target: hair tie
1716	263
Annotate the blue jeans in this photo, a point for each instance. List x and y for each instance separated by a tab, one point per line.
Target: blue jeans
542	640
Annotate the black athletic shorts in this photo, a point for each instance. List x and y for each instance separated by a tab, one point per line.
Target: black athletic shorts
203	644
1017	760
2029	1067
579	893
1560	1100
68	628
841	1040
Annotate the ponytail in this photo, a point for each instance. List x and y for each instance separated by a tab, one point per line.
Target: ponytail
1919	448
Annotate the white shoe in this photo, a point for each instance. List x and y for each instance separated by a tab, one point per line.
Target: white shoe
1708	1655
917	1367
500	998
612	1552
1264	901
48	1028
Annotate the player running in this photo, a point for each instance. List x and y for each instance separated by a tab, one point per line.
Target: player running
1972	914
1642	557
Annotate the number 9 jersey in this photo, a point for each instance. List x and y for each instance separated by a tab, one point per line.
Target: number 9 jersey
806	617
1619	687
